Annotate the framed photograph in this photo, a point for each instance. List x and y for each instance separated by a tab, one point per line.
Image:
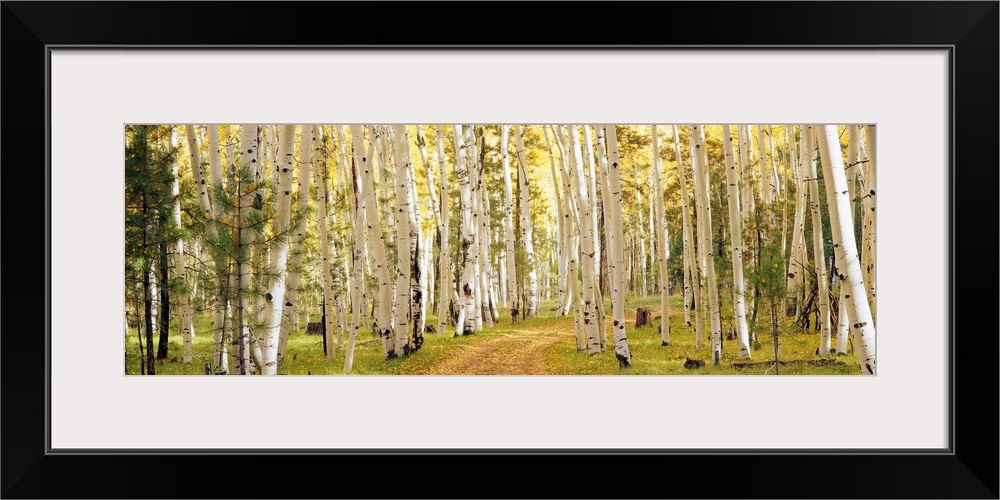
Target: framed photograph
87	82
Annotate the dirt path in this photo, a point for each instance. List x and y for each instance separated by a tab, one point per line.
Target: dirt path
503	353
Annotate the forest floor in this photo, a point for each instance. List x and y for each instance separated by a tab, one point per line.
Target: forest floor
542	345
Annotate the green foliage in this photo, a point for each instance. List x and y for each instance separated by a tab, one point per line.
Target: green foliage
149	200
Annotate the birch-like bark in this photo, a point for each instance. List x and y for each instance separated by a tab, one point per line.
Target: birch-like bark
291	308
417	270
869	229
591	179
798	259
602	172
377	254
584	244
467	317
690	284
698	268
220	359
180	270
444	269
402	187
765	169
562	225
819	253
622	352
482	218
277	291
184	298
531	287
702	200
361	163
845	249
508	219
325	250
736	241
746	167
661	239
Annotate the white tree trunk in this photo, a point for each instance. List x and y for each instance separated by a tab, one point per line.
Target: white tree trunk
585	236
417	297
688	240
531	287
562	225
402	187
869	229
184	298
622	351
661	239
377	254
602	172
325	250
444	270
470	253
819	253
746	167
702	201
845	248
736	239
508	221
362	163
765	169
180	270
698	268
291	308
219	358
276	297
591	179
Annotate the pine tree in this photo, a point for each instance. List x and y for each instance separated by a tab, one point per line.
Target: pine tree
148	222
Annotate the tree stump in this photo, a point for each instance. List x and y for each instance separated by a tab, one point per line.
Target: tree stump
643	317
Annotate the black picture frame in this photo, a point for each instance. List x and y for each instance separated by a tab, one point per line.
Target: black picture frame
969	30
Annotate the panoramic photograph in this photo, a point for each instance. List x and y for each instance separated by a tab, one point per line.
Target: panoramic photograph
499	249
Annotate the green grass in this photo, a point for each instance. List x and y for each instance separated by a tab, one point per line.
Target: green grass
650	358
305	356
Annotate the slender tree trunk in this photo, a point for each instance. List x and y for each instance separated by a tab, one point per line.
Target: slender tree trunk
186	322
164	340
325	244
531	287
362	163
290	308
591	180
444	269
583	300
508	219
688	241
377	253
602	171
819	253
148	316
845	249
622	351
702	197
417	296
277	295
482	218
403	314
180	270
467	318
249	143
220	356
765	169
736	240
661	239
869	237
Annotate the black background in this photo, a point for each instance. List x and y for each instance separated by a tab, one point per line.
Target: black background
972	27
